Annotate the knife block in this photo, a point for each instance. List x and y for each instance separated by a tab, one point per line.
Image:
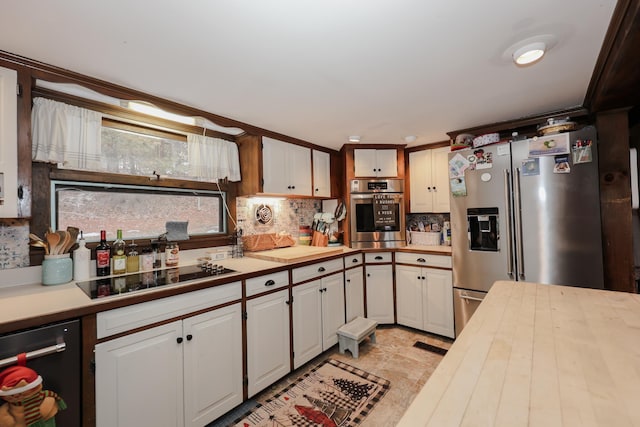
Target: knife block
319	239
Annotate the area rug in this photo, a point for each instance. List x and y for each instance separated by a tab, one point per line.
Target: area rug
333	394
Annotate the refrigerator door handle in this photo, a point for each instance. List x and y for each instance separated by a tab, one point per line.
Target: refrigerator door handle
468	298
507	201
518	225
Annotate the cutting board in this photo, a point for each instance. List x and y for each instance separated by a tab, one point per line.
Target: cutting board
295	253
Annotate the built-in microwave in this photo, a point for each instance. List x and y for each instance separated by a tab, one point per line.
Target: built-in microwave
377	213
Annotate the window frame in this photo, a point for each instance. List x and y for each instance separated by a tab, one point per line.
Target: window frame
59	185
43	173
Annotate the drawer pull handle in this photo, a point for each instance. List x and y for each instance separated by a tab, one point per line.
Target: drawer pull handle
421	260
321	269
354	260
379	258
270	282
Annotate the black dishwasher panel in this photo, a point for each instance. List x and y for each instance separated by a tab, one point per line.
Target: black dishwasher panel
60	371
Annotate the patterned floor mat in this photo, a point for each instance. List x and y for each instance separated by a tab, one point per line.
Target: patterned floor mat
331	394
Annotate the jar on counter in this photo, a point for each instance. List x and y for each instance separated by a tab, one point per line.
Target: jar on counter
133	258
147	259
171	254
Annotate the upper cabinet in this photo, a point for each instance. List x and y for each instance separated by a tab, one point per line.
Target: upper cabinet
429	180
286	168
8	144
271	166
373	162
321	173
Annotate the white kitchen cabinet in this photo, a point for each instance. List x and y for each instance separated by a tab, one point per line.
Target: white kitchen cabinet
425	299
379	285
268	354
286	168
192	368
321	173
354	293
429	180
379	163
8	143
318	312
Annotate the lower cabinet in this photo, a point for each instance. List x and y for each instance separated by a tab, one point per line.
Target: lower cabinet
380	293
184	373
267	340
318	313
354	293
424	299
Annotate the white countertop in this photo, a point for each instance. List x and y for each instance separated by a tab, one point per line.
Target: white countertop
33	300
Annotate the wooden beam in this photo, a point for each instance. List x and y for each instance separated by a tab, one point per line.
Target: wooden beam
615	200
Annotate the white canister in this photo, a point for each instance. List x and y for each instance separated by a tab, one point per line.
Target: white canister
81	261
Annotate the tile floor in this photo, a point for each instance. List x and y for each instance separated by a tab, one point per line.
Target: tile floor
394	358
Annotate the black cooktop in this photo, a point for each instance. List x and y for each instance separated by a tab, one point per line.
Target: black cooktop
126	283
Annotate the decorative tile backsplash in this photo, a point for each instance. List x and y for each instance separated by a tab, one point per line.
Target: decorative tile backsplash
286	215
14	243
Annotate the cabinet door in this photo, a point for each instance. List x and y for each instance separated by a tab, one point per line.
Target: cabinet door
332	308
275	166
420	181
307	322
438	300
387	163
321	174
364	161
299	167
440	179
268	352
8	144
138	367
380	293
409	298
212	364
354	293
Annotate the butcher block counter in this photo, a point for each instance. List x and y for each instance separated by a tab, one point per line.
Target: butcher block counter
539	355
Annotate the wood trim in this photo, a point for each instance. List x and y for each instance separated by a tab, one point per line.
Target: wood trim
524	126
614	82
24	143
431	146
88	325
615	201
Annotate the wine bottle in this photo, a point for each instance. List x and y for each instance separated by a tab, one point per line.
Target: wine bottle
103	256
119	256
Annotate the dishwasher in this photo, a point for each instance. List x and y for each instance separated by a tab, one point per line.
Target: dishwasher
54	352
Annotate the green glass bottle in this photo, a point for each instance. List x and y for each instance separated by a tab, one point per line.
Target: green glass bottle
119	256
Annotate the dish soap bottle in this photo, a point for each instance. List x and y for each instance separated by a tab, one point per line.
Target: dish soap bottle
81	261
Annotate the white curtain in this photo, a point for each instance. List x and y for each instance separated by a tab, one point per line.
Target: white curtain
66	134
211	159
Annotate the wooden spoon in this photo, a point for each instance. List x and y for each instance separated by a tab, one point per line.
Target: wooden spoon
65	240
34	237
52	239
73	233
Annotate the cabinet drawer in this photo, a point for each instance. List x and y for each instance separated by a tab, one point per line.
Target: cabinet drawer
267	283
135	316
426	260
377	257
316	270
352	260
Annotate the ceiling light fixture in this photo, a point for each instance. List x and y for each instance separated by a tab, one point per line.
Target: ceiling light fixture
529	53
409	139
354	138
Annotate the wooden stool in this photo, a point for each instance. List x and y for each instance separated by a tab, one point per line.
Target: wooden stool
354	332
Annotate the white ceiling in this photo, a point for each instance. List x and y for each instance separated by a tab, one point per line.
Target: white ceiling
323	70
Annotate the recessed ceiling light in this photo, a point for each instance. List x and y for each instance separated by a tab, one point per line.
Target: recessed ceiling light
409	139
529	54
354	138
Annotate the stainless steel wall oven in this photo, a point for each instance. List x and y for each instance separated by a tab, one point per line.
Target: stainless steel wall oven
377	213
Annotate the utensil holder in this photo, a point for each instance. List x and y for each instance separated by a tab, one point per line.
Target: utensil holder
57	269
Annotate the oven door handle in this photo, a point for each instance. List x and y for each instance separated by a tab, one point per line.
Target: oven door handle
58	348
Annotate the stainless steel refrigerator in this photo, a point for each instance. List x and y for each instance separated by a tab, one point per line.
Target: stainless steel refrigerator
525	211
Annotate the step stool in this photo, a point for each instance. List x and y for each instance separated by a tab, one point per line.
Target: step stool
354	332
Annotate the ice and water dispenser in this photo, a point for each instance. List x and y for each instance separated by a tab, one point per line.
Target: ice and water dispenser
482	225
